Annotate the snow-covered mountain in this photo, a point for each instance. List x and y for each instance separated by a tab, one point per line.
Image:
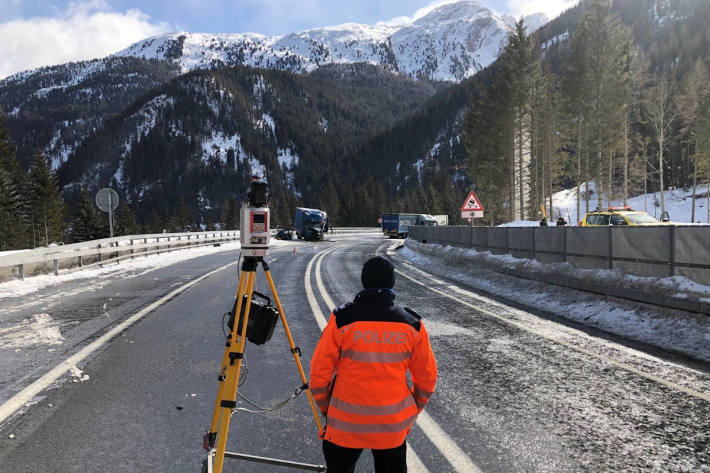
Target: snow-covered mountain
450	42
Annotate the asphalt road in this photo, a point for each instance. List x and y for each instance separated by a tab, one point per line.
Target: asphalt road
517	391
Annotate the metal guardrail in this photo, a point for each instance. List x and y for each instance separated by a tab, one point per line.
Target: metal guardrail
52	259
68	258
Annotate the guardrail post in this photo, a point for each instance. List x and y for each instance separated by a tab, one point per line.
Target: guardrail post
564	243
671	262
99	247
132	250
80	261
56	267
507	240
21	271
611	260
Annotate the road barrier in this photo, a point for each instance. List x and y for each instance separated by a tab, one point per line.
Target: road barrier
655	251
68	258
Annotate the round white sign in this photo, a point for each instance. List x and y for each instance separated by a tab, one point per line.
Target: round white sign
107	199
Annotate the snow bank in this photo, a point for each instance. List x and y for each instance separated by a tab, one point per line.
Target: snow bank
672	330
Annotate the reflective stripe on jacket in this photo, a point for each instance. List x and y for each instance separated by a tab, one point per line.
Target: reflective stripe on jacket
370	345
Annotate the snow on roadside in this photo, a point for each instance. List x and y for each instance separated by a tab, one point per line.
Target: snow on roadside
665	328
678	203
40	329
33	284
77	375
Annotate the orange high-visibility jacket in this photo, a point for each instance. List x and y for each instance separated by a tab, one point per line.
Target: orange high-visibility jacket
369	345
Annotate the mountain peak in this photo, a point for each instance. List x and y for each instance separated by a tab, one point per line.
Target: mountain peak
455	11
449	41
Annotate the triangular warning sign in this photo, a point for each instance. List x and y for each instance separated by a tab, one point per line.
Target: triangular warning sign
471	204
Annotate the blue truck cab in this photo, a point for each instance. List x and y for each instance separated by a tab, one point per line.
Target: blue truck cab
311	224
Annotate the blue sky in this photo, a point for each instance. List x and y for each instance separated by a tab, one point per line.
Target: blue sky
46	32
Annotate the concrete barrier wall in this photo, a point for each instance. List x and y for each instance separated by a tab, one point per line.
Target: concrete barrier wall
643	251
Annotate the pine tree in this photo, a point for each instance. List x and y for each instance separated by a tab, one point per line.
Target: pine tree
606	75
11	231
126	223
85	225
46	203
577	107
521	68
702	137
13	222
182	221
662	113
695	88
230	214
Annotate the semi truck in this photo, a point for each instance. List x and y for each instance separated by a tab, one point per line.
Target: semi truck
397	225
311	224
441	220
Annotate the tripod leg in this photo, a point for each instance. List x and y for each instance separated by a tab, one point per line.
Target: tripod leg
296	353
212	434
231	387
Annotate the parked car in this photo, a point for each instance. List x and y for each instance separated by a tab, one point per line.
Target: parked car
620	216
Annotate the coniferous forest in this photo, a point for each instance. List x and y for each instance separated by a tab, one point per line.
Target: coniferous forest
617	93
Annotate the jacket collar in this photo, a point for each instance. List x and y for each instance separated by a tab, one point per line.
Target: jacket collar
385	292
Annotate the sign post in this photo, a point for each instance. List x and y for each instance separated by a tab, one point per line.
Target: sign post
471	208
107	200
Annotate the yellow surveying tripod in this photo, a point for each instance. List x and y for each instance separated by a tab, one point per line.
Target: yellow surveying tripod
215	441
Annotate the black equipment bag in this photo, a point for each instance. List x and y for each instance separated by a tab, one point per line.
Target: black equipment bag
262	318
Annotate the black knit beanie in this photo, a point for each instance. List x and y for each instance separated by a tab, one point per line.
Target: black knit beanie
377	272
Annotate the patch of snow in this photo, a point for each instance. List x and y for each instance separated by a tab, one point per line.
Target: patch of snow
289	159
219	143
77	375
678	203
40	329
557	39
266	120
672	330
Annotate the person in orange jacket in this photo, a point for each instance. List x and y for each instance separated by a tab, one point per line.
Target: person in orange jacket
359	375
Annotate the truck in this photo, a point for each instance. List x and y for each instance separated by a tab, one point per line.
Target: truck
397	225
441	220
311	224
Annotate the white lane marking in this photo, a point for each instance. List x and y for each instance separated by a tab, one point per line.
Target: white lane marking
611	361
414	463
321	287
23	397
443	442
446	445
312	301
